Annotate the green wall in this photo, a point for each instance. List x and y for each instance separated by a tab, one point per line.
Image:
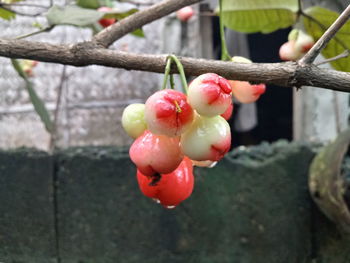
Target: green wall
83	205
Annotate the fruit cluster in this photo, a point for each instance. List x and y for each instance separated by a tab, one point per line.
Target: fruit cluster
298	44
174	131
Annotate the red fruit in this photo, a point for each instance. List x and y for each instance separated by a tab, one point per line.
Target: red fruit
156	153
106	22
167	112
185	13
245	92
228	113
170	189
210	94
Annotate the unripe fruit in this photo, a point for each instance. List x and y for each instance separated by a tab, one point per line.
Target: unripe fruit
210	94
245	92
156	153
133	120
185	13
207	139
167	112
106	22
172	188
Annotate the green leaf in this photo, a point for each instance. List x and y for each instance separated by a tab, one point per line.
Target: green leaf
72	15
338	44
38	104
6	14
264	16
138	33
92	4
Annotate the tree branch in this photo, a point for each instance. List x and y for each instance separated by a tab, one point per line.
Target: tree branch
127	25
288	74
326	37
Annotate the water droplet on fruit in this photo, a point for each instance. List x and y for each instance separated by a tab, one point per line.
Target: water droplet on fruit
169	206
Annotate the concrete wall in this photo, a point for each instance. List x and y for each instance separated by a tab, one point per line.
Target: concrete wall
83	205
92	97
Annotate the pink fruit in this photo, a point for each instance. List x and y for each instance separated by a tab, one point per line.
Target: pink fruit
210	94
208	138
185	13
304	42
28	65
228	113
167	112
287	51
170	189
245	92
156	153
106	22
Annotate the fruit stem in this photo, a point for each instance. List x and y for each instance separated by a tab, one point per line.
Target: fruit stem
181	71
178	108
224	52
172	83
167	71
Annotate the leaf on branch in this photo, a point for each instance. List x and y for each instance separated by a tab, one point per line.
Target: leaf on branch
7	14
84	17
92	4
263	16
38	104
72	15
338	44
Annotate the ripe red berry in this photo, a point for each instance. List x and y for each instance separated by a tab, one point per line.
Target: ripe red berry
156	153
167	112
170	189
106	22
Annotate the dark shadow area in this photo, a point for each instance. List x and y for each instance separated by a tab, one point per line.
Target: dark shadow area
275	107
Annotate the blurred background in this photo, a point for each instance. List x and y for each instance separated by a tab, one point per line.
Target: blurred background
87	103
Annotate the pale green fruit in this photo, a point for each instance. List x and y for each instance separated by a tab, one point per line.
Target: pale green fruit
133	120
208	138
293	35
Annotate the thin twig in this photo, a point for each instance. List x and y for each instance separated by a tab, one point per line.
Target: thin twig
345	54
129	24
324	28
325	38
57	109
46	29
